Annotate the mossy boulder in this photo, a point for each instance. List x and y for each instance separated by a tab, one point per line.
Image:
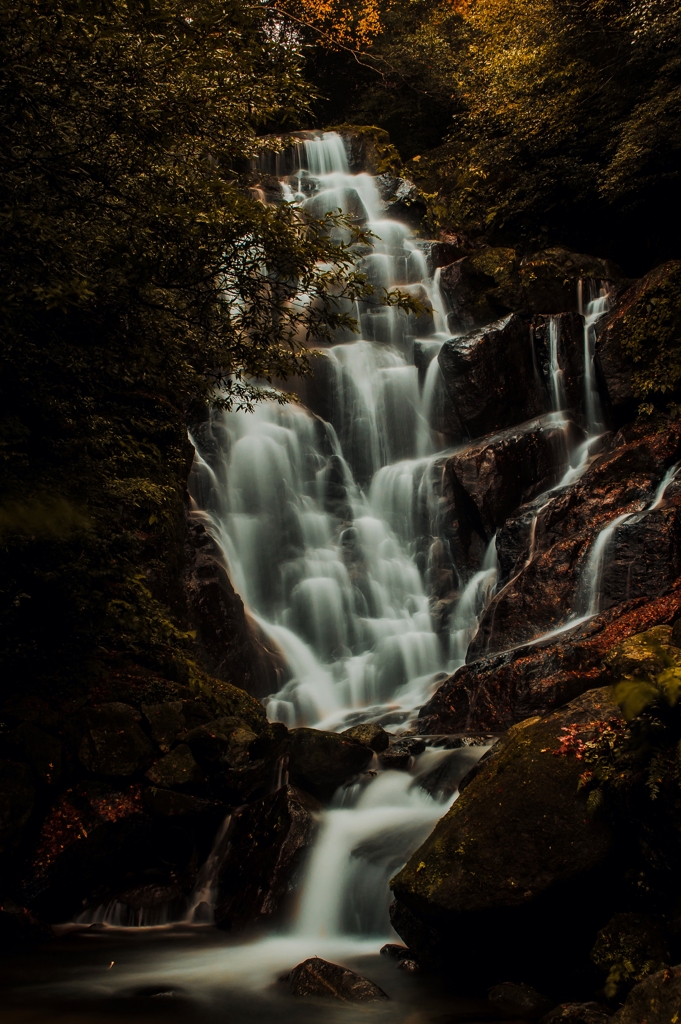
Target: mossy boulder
230	701
320	762
517	878
644	654
178	768
638	351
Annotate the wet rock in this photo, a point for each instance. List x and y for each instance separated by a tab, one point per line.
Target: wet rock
268	842
224	743
409	965
369	735
440	254
509	898
490	377
228	647
629	948
177	768
346	200
113	743
394	950
401	752
19	927
655	1000
549	278
39	749
646	315
320	762
401	199
578	1013
545	548
514	999
368	149
317	977
443	781
481	288
569	331
645	654
484	482
496	692
17	795
151	897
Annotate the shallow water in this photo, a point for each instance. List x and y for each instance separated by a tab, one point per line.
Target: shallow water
202	975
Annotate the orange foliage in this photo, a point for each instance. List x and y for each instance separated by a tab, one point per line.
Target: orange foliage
342	23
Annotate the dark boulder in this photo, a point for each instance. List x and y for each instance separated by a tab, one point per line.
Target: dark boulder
401	200
224	743
645	321
370	734
316	977
268	841
166	721
320	762
112	742
17	796
368	149
443	781
164	803
439	254
400	755
178	768
228	645
569	332
653	1001
484	482
498	907
490	377
514	999
481	288
578	1013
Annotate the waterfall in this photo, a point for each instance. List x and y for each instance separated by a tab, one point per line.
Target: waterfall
324	520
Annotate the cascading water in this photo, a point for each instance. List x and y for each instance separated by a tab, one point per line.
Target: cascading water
317	518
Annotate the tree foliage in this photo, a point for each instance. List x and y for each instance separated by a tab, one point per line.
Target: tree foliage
138	274
550	121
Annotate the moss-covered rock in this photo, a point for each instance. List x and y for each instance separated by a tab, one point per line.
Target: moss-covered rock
517	866
229	701
368	149
645	654
550	278
112	742
639	346
370	734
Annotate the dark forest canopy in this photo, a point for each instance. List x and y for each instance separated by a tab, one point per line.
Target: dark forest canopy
137	273
535	120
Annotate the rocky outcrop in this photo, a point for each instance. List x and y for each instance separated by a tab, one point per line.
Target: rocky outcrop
490	377
494	693
437	254
317	977
569	333
228	644
320	762
544	548
370	734
484	482
655	1000
267	844
498	907
401	200
492	282
646	319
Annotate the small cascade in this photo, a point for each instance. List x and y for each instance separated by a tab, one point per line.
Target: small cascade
201	902
594	299
472	604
